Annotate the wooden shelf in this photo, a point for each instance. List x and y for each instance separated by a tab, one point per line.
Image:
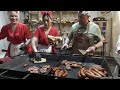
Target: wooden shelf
70	11
63	23
33	12
101	21
58	15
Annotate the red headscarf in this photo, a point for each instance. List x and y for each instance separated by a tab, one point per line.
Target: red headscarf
49	13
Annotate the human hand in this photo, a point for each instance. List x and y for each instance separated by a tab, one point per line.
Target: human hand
23	46
91	49
37	56
64	46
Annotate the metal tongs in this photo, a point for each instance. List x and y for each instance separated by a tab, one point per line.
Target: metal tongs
66	50
61	50
3	50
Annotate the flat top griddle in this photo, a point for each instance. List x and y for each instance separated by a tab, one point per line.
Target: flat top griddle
17	65
30	64
72	74
13	75
50	60
14	69
14	62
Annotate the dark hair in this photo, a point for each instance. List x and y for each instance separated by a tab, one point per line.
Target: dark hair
45	15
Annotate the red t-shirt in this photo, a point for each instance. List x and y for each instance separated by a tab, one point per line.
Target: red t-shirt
42	39
20	35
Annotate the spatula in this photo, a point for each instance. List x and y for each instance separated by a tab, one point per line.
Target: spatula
83	52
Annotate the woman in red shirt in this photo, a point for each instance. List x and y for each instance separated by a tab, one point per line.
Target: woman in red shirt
17	34
41	35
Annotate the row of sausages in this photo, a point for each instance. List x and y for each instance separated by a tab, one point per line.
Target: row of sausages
94	72
57	71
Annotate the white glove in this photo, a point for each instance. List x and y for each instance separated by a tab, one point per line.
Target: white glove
64	46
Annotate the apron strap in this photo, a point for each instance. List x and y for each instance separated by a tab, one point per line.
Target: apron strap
14	49
88	27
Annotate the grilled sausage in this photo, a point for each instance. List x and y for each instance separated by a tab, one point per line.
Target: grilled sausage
87	78
105	72
52	72
75	65
100	72
68	67
65	73
95	73
91	75
80	66
79	75
55	68
99	68
57	71
64	61
82	70
61	72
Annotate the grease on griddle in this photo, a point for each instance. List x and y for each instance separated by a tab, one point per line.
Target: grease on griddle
26	64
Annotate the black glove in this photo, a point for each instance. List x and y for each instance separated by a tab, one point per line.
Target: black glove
23	46
37	56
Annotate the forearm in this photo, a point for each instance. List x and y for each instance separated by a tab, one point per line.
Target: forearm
33	44
99	44
28	41
34	47
69	38
95	47
67	41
